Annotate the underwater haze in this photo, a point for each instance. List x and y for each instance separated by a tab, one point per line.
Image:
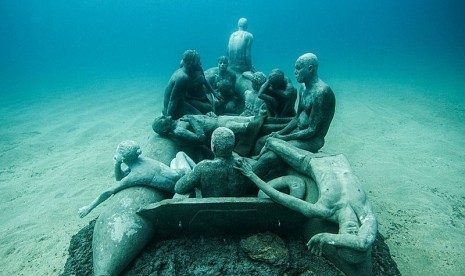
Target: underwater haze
48	41
79	76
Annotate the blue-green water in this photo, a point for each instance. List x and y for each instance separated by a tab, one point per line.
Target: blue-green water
58	42
79	76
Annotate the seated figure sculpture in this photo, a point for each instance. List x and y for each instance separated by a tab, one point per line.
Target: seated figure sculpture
341	200
187	89
253	103
141	171
279	95
310	125
223	81
240	48
217	177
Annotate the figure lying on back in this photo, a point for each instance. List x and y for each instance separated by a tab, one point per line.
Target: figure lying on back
341	198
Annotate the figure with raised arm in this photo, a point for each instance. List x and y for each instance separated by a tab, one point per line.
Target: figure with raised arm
279	95
341	199
217	177
141	171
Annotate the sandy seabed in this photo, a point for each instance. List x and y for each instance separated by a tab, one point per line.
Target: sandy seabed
406	144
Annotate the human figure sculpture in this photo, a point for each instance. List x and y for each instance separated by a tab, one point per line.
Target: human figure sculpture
240	48
193	132
197	129
341	197
279	95
253	104
217	177
187	89
223	81
315	112
141	171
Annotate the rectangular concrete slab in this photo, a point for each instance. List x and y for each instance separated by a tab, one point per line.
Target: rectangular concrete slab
210	216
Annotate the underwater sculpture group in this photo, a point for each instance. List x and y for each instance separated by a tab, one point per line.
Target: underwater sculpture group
229	132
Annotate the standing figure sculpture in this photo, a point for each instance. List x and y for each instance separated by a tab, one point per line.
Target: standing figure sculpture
187	89
341	199
240	48
141	171
223	81
217	177
315	111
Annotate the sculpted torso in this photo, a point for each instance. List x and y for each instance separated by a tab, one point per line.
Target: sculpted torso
215	178
149	171
339	188
222	82
227	182
316	107
238	50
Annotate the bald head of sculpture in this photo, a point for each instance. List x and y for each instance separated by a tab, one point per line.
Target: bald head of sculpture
306	68
242	24
222	142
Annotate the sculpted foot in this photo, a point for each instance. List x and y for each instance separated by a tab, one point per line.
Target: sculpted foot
83	211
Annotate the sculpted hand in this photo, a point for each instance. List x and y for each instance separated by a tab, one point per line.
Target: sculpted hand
317	242
186	118
244	167
118	159
276	135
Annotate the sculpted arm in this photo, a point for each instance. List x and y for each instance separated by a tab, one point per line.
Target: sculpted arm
119	173
176	95
195	136
362	241
265	97
189	181
288	128
248	53
315	118
293	203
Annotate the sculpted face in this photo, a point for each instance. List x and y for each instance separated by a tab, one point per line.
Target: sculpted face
223	64
191	60
302	72
306	67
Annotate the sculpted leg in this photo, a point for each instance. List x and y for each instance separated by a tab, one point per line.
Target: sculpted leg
294	185
293	156
182	162
83	211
